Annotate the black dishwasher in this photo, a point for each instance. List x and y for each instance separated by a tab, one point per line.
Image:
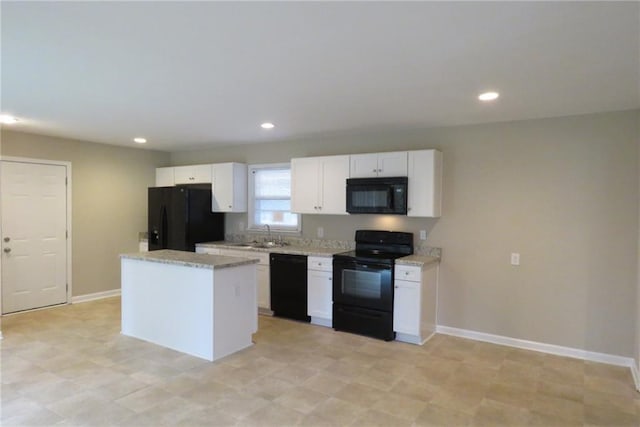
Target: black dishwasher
288	274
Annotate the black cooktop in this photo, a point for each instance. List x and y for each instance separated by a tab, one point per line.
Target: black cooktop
380	246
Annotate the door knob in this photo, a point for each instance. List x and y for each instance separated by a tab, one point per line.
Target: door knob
7	250
6	239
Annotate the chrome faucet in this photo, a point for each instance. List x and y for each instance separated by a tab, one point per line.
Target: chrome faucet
268	232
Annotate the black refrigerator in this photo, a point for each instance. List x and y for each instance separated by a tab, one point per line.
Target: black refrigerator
180	217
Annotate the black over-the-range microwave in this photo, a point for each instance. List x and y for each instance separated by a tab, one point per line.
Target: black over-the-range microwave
377	195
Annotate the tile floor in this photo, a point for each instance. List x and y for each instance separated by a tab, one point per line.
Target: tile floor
70	366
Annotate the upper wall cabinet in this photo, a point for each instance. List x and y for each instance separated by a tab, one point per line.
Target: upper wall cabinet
379	164
229	187
193	174
164	177
318	185
425	183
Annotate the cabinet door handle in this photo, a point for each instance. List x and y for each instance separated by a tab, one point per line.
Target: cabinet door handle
375	170
7	250
230	206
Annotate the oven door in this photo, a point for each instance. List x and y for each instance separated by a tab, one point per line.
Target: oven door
363	284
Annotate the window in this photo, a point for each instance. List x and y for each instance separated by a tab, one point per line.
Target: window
270	198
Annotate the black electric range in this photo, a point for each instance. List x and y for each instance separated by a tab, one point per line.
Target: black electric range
363	283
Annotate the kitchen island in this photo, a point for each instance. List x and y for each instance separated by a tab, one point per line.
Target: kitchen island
200	304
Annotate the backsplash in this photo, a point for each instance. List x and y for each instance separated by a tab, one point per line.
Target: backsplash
347	245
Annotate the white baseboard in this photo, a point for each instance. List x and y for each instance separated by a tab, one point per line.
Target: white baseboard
327	323
635	373
576	353
95	296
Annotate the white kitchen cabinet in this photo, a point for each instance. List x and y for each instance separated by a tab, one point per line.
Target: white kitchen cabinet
378	164
318	184
262	272
320	290
229	187
192	174
165	177
415	302
424	183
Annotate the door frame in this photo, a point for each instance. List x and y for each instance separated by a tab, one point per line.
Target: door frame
67	165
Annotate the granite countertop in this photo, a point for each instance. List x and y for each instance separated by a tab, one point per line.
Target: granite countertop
287	249
419	260
190	259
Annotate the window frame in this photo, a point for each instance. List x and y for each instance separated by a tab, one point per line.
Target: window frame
251	205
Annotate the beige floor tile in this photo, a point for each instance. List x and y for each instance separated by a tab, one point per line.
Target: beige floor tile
519	373
400	406
608	402
598	416
562	409
240	405
294	374
375	418
510	394
71	366
338	411
325	382
438	416
272	415
459	400
559	390
301	399
492	413
360	394
608	385
86	409
144	399
423	392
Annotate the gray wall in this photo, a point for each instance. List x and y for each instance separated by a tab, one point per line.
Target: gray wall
109	201
562	192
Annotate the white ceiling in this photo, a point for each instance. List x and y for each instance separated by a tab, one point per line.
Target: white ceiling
187	75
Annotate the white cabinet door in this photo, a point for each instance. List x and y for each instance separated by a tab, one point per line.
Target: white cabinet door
319	294
229	187
164	177
379	164
192	174
392	164
304	185
334	171
425	183
364	165
406	307
264	290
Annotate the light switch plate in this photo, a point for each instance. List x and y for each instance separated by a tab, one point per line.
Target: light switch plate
515	258
423	234
320	232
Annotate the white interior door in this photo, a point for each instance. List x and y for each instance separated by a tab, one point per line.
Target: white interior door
34	228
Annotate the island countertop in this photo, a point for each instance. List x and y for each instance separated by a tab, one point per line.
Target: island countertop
190	259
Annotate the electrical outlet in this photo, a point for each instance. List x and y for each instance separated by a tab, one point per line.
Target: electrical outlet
423	234
320	232
515	258
241	226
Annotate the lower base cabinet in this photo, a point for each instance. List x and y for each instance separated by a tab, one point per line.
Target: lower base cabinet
415	302
262	272
320	290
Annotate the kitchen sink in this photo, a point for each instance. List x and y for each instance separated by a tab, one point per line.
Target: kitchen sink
259	245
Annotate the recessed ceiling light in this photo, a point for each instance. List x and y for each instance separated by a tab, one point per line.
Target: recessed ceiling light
488	96
6	119
139	140
267	125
